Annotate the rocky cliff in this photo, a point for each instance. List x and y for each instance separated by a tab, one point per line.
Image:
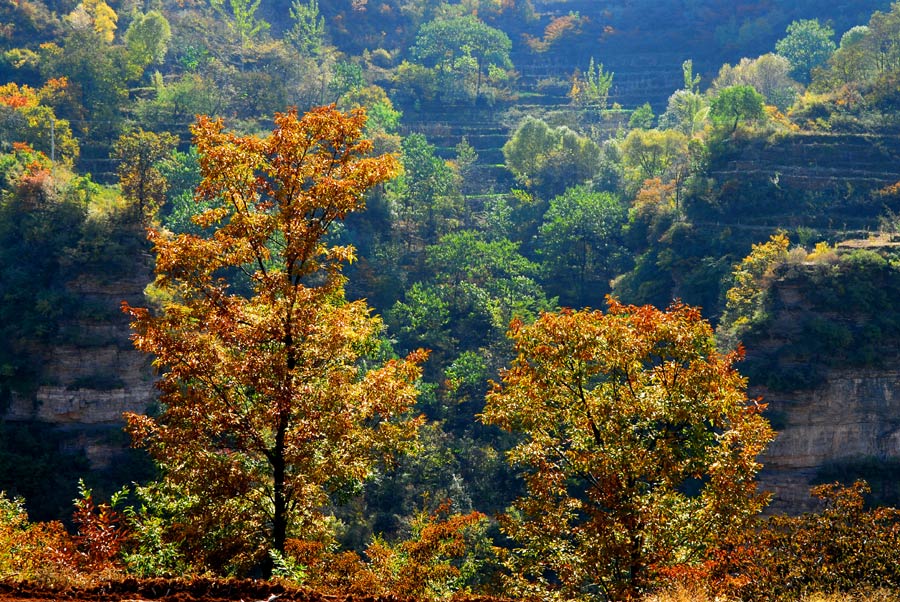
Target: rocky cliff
85	385
852	418
835	405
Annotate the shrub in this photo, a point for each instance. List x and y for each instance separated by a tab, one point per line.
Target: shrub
844	548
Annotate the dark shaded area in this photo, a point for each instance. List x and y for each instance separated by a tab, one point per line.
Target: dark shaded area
205	590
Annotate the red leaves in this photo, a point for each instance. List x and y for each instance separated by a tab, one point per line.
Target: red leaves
100	536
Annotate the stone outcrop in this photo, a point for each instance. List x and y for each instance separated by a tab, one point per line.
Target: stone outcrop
845	414
86	385
853	415
122	380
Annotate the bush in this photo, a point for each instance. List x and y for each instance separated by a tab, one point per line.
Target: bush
845	547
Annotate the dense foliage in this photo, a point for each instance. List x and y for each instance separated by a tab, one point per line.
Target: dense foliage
266	409
639	449
513	164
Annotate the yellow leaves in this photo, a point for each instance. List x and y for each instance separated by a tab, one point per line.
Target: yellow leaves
745	300
621	413
262	354
96	14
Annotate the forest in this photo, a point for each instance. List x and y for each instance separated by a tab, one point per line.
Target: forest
445	299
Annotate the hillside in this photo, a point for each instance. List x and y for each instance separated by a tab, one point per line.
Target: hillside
359	326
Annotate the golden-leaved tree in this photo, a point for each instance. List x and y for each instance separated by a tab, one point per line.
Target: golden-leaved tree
639	449
270	401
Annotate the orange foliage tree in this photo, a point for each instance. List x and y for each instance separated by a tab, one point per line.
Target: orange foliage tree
845	547
27	116
271	400
639	449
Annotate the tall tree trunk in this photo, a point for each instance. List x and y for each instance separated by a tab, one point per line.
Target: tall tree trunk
279	517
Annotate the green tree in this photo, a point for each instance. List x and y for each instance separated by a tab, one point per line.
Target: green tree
178	101
691	81
881	41
866	52
448	44
642	118
550	160
807	45
648	154
593	90
240	15
853	61
268	407
581	245
307	34
346	78
426	198
734	104
40	226
686	111
147	40
524	152
768	74
139	154
466	166
97	74
639	448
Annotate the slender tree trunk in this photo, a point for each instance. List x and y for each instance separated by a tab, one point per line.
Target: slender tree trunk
279	518
478	82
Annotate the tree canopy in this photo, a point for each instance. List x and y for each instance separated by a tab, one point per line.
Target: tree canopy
807	45
267	408
639	447
448	44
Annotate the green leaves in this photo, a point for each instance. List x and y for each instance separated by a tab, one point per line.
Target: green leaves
807	45
581	245
734	104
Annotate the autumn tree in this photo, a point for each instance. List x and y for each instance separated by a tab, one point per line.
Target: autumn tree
272	400
27	116
638	448
748	296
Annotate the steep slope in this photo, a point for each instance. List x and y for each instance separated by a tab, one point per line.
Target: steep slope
825	362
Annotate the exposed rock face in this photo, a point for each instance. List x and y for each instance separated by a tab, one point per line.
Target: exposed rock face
75	401
850	415
853	415
85	387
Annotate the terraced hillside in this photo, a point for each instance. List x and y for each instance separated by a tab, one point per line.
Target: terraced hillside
820	180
